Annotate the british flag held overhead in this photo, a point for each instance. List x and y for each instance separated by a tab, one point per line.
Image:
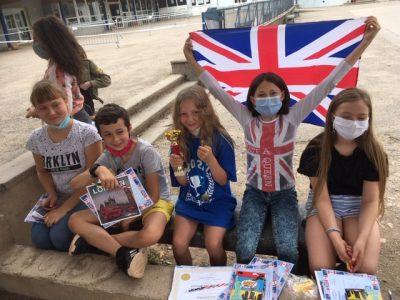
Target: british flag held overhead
302	54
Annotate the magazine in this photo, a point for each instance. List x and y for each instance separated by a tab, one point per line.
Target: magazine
86	199
142	198
340	285
115	205
37	213
281	269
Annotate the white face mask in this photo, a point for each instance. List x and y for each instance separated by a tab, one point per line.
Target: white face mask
349	129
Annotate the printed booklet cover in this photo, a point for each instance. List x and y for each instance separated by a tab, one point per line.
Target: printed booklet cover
248	286
115	205
340	285
142	198
37	213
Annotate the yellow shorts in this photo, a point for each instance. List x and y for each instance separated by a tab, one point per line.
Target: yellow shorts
164	206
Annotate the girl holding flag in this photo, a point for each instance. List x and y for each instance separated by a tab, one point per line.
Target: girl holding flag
270	127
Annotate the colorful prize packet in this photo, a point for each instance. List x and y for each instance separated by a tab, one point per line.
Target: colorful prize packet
262	269
280	271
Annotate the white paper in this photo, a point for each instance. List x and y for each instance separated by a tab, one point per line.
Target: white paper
199	283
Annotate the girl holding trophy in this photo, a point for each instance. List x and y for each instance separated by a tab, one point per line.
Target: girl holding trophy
202	164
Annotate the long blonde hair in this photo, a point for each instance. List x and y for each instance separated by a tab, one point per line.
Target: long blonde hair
211	124
367	142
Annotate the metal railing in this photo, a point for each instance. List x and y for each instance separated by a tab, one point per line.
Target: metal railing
20	36
106	31
246	15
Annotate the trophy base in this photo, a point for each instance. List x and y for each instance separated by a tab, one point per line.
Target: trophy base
180	172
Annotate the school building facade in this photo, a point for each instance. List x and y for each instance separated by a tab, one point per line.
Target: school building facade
17	16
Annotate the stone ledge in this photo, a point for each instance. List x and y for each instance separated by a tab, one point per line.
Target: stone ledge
54	275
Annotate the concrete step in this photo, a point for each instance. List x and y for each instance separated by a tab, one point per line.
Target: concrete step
147	96
151	120
53	275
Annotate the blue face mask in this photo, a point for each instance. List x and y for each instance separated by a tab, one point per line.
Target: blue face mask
268	106
64	124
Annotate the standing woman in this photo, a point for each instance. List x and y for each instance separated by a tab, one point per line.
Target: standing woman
348	169
53	41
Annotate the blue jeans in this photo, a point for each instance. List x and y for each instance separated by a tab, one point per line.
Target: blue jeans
56	237
253	214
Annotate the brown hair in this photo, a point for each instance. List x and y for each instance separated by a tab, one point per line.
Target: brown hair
367	142
60	43
44	91
211	124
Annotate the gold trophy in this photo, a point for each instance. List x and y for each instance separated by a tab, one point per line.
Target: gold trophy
172	135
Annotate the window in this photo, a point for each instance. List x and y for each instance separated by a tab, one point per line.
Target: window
162	3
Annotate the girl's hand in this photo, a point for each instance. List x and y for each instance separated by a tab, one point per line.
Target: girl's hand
53	216
84	86
31	112
342	248
187	50
176	161
50	201
357	256
107	178
371	29
205	154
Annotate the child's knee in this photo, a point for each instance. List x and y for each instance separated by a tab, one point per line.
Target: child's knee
213	245
369	268
180	243
61	239
73	220
317	265
40	237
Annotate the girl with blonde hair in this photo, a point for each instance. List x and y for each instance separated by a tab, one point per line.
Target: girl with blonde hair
205	196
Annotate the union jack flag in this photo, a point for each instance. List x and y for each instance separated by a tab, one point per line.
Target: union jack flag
303	54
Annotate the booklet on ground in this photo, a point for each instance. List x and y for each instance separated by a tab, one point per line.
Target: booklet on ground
340	285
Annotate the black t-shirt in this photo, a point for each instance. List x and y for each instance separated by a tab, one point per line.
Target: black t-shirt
346	174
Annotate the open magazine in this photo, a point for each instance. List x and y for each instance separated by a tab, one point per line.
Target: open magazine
126	201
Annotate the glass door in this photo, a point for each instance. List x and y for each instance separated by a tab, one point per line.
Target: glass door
17	24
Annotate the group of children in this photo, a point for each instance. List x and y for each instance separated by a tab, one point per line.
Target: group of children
346	165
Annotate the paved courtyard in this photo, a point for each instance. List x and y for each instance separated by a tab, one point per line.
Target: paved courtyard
142	60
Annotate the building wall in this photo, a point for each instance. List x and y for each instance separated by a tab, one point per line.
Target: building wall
33	8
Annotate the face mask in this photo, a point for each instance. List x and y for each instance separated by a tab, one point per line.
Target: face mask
64	124
268	106
121	152
40	51
349	129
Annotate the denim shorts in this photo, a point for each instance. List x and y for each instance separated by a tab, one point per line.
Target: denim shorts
344	206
